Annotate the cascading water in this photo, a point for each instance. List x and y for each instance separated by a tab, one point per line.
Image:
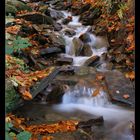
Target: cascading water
80	97
80	29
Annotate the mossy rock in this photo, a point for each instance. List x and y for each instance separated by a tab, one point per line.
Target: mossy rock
10	9
11	96
16	5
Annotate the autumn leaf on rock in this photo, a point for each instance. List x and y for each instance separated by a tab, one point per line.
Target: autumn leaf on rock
130	75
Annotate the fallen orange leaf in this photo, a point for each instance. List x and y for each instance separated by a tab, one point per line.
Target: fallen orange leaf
126	96
130	75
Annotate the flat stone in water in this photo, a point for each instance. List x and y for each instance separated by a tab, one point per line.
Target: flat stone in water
118	86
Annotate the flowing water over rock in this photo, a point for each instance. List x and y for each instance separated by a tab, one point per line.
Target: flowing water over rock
98	45
78	101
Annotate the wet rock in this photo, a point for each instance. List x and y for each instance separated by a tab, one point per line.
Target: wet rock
86	51
119	86
91	122
69	32
92	61
64	61
52	50
57	27
57	40
54	93
12	98
78	46
85	37
88	17
56	14
36	18
67	20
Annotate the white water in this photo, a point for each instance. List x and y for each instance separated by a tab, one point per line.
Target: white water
80	29
80	97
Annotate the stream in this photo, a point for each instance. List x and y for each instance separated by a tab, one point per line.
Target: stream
78	102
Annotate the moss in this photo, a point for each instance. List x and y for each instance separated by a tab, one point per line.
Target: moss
11	97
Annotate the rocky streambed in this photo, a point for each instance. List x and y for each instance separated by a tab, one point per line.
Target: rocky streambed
90	89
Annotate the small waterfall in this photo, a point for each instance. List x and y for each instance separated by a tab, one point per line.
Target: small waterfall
79	29
84	95
81	98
